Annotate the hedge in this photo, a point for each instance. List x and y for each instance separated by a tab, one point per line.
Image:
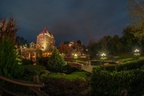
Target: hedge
106	83
126	66
66	87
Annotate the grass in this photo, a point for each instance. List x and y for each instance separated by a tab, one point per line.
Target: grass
74	75
130	59
126	60
141	58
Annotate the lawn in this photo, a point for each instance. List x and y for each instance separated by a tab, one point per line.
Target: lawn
74	75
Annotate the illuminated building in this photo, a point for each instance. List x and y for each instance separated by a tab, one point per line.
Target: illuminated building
45	42
43	48
72	48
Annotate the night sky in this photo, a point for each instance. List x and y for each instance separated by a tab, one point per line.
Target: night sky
67	20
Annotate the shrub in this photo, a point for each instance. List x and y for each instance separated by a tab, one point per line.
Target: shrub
34	69
66	87
106	83
68	69
137	84
121	67
26	62
43	61
131	66
56	62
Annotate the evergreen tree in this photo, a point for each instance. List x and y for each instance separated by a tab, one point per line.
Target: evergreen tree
9	66
56	62
9	58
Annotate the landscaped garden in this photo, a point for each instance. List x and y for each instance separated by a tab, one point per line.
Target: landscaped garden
111	75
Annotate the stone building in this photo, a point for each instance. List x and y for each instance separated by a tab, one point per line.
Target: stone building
44	46
45	40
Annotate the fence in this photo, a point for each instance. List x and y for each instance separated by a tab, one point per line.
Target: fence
34	86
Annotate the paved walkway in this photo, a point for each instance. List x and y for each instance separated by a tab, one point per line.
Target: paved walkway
87	68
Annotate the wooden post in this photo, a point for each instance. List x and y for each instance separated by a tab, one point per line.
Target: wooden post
36	79
1	93
124	93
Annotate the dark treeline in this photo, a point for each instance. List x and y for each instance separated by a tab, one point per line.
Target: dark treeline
114	45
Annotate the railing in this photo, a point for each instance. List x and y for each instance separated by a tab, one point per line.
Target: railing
33	86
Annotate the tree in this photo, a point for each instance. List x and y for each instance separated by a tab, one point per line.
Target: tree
136	14
56	61
116	45
93	48
21	41
7	28
9	62
136	11
130	34
79	42
64	48
9	58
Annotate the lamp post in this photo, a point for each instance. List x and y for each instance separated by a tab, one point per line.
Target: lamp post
103	57
88	56
136	53
75	56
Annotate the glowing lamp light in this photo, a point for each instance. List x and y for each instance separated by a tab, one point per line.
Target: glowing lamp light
103	57
75	55
136	50
103	54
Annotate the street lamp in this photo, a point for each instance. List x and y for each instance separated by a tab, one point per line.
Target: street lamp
136	53
88	56
103	57
75	56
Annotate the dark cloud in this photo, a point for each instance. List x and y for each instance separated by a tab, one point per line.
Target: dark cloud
67	19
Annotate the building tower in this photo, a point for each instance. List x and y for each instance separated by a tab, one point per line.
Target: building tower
45	41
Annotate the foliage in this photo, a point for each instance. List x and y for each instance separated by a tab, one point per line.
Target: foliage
26	62
65	49
66	87
132	36
127	66
42	61
34	69
136	14
111	44
9	59
111	80
56	62
136	11
106	83
93	48
79	42
69	69
7	28
21	41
